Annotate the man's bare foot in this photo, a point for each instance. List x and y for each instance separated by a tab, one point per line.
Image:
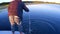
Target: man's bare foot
21	33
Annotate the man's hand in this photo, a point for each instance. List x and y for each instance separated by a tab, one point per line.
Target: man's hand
27	10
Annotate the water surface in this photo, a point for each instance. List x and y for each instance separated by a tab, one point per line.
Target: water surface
44	19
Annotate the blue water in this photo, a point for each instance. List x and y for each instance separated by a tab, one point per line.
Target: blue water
44	19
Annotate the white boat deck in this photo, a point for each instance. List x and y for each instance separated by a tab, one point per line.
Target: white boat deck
9	32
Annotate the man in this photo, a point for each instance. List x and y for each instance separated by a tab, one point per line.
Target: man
15	12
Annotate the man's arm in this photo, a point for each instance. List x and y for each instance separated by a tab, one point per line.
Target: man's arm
25	8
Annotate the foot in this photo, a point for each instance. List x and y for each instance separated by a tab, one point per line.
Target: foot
13	33
21	33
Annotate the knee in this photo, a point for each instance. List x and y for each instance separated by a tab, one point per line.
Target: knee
11	19
16	19
12	22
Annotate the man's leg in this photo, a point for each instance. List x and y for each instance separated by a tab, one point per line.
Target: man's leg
12	24
20	27
18	22
13	28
